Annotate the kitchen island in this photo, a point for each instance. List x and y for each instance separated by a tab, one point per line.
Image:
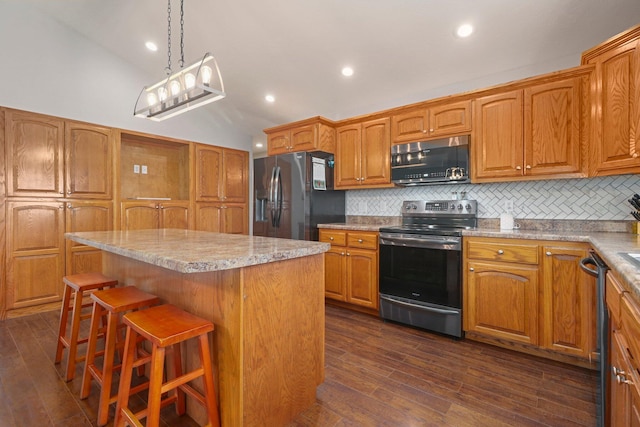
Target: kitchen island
265	297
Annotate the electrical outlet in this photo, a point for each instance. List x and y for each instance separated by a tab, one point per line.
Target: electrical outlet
144	169
136	168
508	205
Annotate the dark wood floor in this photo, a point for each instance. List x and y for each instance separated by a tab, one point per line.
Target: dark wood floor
377	374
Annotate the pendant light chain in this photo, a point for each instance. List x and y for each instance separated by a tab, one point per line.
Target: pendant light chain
181	33
168	69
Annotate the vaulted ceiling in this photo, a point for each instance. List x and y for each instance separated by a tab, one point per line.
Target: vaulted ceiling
402	51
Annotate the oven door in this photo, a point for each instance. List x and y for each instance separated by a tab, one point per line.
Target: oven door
421	268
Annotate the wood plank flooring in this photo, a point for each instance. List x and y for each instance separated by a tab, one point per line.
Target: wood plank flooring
377	374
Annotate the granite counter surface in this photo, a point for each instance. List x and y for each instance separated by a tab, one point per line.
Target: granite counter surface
189	251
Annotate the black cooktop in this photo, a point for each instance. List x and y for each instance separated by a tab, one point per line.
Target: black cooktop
429	229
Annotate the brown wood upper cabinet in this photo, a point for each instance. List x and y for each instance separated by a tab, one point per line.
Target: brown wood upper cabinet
615	147
222	174
51	157
537	131
309	135
363	152
431	122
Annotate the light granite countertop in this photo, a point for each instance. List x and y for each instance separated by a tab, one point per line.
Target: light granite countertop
189	251
607	245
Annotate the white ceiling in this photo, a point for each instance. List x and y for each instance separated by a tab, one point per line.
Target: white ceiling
403	51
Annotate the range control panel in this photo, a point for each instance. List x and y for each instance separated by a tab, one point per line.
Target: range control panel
439	207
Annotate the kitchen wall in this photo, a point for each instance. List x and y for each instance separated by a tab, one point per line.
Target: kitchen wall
578	199
50	69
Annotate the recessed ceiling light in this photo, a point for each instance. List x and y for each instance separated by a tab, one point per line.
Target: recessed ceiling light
347	71
259	145
151	46
464	30
270	98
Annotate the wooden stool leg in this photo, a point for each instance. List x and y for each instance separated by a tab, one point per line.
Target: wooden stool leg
155	386
174	368
125	377
91	350
209	387
64	316
107	368
73	340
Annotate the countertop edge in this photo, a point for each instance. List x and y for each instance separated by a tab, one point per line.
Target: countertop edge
313	248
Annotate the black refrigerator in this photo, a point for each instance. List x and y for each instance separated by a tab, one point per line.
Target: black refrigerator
293	193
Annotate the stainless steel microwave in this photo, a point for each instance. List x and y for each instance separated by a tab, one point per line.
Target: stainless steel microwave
431	162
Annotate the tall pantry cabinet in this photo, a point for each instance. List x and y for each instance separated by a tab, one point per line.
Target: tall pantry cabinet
58	179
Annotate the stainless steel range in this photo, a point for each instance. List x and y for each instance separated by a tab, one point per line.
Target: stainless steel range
421	265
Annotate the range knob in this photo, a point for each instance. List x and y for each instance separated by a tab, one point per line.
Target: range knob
459	207
414	207
453	206
468	207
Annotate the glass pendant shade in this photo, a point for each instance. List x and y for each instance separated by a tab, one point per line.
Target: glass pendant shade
191	87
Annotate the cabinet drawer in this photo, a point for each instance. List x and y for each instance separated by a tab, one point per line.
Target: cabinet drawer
500	251
613	296
630	319
335	237
363	240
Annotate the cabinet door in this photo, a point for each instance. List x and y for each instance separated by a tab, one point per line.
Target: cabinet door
376	152
209	164
35	251
362	277
235	176
410	126
450	119
278	142
209	217
348	156
501	300
139	216
303	138
552	114
335	273
235	219
86	216
497	149
35	150
173	215
619	391
89	157
568	304
617	140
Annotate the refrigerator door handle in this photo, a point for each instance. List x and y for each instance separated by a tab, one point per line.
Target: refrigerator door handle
272	196
278	196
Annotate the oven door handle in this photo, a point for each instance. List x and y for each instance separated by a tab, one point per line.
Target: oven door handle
421	307
426	242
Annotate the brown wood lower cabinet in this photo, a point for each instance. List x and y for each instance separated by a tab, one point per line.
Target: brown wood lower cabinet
351	267
86	216
222	218
530	296
624	355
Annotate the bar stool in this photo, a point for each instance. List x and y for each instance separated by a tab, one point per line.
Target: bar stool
77	284
110	303
166	326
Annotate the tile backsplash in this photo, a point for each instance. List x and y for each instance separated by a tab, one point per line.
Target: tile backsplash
583	199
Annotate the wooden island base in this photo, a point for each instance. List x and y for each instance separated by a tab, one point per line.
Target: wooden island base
269	331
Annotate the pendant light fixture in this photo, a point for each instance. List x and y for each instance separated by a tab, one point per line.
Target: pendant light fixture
193	86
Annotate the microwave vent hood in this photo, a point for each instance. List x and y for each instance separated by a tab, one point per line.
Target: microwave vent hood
441	161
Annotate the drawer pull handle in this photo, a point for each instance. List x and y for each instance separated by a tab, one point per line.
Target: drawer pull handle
548	253
360	240
331	238
471	269
500	251
348	254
